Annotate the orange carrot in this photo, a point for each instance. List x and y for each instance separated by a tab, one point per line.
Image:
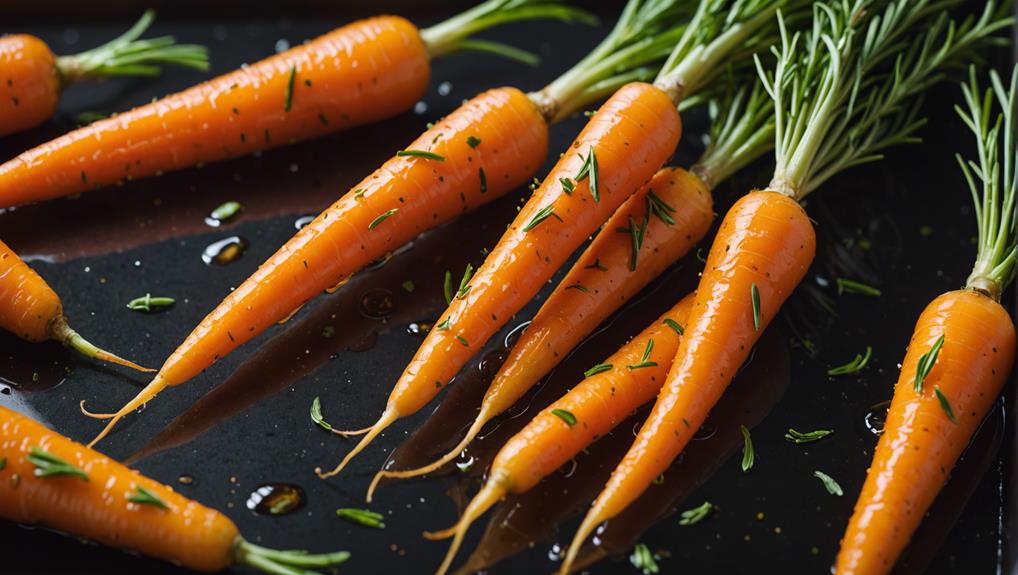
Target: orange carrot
33	76
612	390
622	146
360	73
484	149
766	242
958	360
47	479
601	280
31	310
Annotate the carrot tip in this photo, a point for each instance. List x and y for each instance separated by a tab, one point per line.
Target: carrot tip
388	416
354	432
439	535
150	391
81	406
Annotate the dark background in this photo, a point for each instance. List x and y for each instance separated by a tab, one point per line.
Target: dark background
904	224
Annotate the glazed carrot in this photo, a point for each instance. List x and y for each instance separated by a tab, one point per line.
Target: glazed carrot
621	148
32	77
766	242
46	479
360	73
484	149
673	210
614	389
958	360
31	310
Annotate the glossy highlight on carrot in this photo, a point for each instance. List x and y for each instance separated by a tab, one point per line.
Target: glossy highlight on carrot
51	481
32	77
597	404
677	210
630	136
423	193
31	310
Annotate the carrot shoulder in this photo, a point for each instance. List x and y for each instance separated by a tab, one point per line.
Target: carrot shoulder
354	75
439	176
623	145
29	83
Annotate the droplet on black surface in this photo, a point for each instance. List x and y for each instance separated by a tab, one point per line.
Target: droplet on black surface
419	328
876	417
377	303
185	480
224	251
303	221
276	499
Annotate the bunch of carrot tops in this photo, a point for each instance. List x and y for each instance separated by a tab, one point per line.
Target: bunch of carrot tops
818	86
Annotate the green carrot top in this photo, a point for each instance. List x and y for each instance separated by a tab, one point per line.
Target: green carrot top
851	85
991	178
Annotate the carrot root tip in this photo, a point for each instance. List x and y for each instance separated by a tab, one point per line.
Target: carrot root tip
388	416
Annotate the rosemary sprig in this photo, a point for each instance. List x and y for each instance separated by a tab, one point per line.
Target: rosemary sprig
542	214
944	403
659	208
421	154
465	282
143	496
643	559
854	366
926	362
565	416
696	514
754	296
598	369
674	325
381	218
49	465
830	484
288	94
851	286
808	437
148	303
748	454
644	361
363	517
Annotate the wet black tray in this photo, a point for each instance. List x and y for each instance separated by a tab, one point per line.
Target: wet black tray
904	225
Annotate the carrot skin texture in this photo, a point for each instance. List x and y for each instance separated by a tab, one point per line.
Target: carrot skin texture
633	134
28	305
765	239
29	83
570	314
360	73
920	444
188	533
338	242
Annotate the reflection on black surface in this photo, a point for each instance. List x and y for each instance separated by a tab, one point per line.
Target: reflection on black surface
340	323
31	367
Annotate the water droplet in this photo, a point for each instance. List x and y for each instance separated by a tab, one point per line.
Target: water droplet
419	328
276	499
420	107
185	480
555	553
303	221
224	251
377	303
876	417
444	88
5	389
465	462
282	45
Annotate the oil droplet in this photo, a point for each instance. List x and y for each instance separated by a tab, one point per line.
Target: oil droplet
555	553
224	251
419	328
444	88
222	214
303	221
276	499
185	480
876	417
377	303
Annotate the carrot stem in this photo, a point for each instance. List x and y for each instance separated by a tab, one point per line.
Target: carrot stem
126	55
70	338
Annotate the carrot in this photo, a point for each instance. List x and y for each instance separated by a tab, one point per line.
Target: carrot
600	281
613	389
672	212
766	242
31	310
481	151
958	360
623	145
33	77
360	73
47	479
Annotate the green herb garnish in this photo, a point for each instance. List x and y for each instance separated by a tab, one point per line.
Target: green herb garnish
926	364
578	286
226	210
445	325
657	207
543	214
381	218
944	403
829	483
288	101
696	514
597	369
147	303
643	560
447	287
316	414
754	294
462	340
473	141
646	356
597	265
143	496
409	286
674	325
849	286
589	169
484	180
637	234
854	366
464	285
48	465
421	154
567	186
3	463
748	455
363	517
808	437
565	416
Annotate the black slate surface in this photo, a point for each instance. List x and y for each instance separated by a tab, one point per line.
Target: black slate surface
246	421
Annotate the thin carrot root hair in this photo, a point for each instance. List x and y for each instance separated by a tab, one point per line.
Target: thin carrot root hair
144	396
489	495
453	453
388	416
352	433
73	340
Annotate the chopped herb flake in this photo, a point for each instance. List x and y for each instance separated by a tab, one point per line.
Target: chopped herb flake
462	340
567	186
363	517
421	154
464	285
696	514
754	293
48	465
643	560
829	483
543	214
748	455
849	286
316	414
148	303
447	287
646	356
808	437
597	369
381	218
578	286
565	416
288	101
944	403
926	363
408	286
854	366
143	496
445	325
473	141
674	325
